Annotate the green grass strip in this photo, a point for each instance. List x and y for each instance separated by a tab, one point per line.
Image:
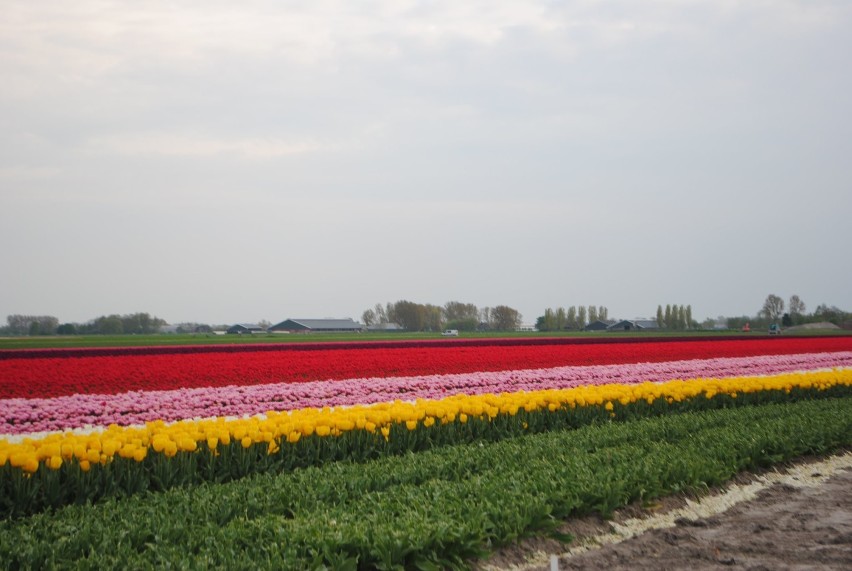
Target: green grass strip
432	510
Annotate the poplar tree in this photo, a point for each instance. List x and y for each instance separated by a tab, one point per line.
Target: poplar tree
593	314
571	317
549	320
560	318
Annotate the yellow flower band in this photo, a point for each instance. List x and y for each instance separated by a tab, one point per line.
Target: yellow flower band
277	429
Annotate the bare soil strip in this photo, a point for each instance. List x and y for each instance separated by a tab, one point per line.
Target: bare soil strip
798	516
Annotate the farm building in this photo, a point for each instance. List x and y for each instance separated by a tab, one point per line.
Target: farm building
599	325
241	328
634	325
318	326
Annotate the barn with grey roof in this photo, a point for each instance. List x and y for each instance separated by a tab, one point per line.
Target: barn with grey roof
317	325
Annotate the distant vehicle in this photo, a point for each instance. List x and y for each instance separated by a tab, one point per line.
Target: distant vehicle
774	329
450	333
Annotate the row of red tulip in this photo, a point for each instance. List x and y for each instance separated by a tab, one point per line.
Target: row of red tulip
52	377
20	416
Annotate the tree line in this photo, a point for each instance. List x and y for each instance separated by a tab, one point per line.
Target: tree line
676	317
794	312
134	323
413	316
575	317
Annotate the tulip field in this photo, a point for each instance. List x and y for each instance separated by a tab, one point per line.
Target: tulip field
388	455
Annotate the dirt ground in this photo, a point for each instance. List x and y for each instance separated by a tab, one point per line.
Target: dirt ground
796	517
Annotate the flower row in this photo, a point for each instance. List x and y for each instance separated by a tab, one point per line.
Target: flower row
277	429
53	377
298	343
20	416
427	511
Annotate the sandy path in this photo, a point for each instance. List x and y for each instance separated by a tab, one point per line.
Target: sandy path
796	518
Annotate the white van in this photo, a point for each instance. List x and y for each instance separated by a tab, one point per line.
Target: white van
450	333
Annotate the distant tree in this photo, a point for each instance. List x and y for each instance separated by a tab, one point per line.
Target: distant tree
832	314
132	323
140	323
368	317
18	324
660	319
264	324
668	317
797	306
571	318
593	314
603	313
548	320
485	317
560	318
689	323
458	311
581	317
773	307
66	329
433	316
786	320
681	318
47	325
409	315
109	325
505	318
381	314
552	320
31	324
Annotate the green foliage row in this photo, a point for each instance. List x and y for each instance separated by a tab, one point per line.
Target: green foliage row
431	510
22	494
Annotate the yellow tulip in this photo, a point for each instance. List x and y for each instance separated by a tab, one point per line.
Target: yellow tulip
323	430
187	444
31	465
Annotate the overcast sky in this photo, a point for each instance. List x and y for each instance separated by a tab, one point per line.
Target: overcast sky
224	162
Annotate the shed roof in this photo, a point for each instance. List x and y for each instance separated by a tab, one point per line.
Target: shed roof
240	327
247	326
318	324
637	323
